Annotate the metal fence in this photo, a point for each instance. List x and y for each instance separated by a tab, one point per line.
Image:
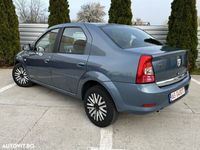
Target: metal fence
30	32
160	32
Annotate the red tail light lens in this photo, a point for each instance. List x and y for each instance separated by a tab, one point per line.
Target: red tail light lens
145	73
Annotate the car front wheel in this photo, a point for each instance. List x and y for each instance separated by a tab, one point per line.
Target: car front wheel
99	107
20	76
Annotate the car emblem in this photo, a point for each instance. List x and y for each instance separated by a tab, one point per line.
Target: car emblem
179	61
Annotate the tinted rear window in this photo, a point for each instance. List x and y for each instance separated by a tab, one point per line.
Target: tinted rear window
128	37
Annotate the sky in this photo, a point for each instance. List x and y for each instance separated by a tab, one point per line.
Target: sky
154	11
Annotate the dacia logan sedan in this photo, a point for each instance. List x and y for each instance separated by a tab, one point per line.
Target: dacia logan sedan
112	68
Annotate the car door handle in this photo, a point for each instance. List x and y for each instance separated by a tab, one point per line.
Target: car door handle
81	64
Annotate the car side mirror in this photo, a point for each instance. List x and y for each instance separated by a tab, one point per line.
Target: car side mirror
27	47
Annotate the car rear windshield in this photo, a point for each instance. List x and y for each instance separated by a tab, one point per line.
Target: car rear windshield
129	37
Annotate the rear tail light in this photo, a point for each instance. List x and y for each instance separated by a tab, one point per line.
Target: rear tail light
145	73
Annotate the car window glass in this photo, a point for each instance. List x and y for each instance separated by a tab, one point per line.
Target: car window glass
73	41
129	37
46	43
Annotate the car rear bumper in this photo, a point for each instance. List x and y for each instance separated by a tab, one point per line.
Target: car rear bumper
131	97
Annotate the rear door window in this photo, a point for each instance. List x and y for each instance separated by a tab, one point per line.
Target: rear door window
73	41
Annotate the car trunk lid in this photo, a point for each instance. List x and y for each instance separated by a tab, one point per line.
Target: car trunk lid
169	64
170	67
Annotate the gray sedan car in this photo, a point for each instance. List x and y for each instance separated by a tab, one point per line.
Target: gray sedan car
112	68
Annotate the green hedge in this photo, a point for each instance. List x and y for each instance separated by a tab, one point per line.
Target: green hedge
183	28
9	33
59	12
120	12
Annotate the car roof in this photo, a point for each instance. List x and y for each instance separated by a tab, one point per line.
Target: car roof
81	23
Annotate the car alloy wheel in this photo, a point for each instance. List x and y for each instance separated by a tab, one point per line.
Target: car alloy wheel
20	76
99	107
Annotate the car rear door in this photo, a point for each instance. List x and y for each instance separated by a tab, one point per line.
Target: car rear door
38	62
69	63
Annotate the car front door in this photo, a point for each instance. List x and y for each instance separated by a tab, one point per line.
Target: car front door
69	63
38	61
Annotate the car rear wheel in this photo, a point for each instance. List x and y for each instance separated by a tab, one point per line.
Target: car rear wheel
20	76
99	107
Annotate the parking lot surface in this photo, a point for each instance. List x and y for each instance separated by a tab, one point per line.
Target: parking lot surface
52	121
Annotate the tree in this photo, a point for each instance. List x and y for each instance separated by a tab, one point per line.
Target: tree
9	39
183	28
91	12
13	26
120	12
31	11
3	33
59	12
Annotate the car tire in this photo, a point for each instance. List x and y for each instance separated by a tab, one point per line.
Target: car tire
20	76
99	107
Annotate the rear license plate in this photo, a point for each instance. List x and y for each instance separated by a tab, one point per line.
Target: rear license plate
177	94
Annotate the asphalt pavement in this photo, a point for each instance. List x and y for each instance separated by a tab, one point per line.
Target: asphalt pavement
47	120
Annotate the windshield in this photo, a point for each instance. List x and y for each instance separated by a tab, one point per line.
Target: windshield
128	37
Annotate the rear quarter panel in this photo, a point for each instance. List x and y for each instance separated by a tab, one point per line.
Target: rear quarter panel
107	58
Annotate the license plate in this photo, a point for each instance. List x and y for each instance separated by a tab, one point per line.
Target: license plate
177	94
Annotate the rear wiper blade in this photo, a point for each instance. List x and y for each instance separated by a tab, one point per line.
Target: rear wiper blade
153	41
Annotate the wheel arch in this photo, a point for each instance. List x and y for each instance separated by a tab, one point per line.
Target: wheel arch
91	83
87	85
96	78
89	79
17	62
